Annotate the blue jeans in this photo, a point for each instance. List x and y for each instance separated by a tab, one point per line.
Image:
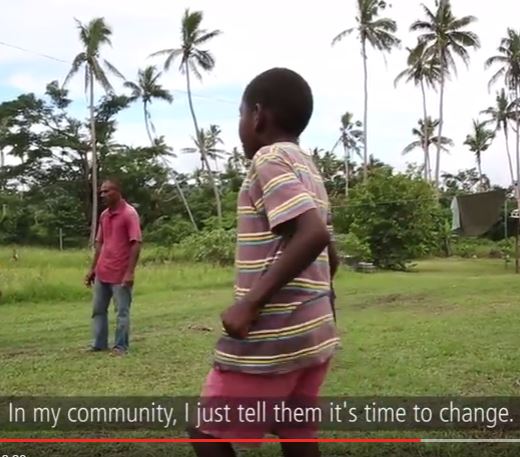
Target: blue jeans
103	293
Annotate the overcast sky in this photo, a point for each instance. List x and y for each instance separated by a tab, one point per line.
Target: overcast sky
257	36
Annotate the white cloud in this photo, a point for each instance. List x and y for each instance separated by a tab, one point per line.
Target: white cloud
259	35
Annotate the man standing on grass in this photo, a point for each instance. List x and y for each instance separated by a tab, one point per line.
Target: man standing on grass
118	244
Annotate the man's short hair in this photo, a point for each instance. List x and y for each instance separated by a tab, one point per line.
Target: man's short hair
286	94
115	182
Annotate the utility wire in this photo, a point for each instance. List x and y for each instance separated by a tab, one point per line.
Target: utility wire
56	59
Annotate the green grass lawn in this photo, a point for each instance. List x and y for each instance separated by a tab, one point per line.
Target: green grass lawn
451	327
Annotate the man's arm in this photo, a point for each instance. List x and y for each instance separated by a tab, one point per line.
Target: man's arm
92	273
135	238
135	250
306	238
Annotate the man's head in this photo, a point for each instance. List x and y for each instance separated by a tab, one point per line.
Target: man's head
277	105
111	192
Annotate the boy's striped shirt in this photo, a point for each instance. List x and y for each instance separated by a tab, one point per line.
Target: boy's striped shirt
296	329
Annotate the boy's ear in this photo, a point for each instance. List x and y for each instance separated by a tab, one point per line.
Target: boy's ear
259	117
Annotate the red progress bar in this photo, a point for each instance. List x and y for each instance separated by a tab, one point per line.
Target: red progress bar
187	440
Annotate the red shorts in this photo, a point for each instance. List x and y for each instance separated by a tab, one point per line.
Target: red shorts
222	387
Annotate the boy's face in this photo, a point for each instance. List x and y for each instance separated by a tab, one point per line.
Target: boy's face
248	130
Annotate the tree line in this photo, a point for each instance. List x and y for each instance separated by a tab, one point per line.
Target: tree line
59	158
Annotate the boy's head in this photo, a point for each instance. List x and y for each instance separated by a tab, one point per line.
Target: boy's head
276	106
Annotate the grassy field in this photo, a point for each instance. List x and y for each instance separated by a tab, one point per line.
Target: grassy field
451	327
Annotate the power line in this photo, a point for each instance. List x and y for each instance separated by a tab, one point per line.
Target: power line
56	59
28	51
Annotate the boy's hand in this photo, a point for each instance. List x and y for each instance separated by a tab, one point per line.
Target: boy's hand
238	318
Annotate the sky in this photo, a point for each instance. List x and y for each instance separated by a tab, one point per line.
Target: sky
257	36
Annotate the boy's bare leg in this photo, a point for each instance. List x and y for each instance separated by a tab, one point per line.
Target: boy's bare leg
301	450
210	449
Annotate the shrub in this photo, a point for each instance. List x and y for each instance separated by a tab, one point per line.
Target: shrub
214	246
350	245
397	216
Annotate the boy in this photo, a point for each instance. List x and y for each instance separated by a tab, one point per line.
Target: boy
280	333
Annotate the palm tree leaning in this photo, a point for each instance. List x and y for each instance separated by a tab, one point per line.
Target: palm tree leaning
500	115
425	71
147	88
479	142
193	60
379	33
425	132
93	36
508	58
350	137
445	37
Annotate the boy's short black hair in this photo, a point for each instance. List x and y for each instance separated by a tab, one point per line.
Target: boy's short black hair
286	94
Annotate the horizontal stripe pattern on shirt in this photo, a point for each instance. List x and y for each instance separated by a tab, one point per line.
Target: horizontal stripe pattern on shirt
296	328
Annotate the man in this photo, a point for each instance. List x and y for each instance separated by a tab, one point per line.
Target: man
118	244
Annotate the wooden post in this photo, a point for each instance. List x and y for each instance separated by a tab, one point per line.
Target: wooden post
61	239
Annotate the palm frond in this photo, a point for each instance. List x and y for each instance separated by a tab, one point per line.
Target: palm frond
411	147
342	35
100	76
205	60
112	69
78	61
207	37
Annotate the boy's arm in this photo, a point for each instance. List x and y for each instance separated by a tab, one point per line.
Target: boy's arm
307	237
333	259
333	264
293	214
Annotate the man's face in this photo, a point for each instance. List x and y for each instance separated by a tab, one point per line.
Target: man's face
110	194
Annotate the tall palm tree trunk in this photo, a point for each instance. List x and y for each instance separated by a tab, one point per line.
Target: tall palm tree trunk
347	171
510	161
202	151
425	135
365	115
441	122
172	174
479	165
517	116
93	226
147	123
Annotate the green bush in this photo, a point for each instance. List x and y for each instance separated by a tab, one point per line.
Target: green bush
167	231
482	248
397	216
212	246
350	245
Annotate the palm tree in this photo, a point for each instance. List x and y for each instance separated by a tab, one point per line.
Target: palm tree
193	60
425	133
147	88
500	115
423	70
350	137
93	36
509	58
445	37
379	33
479	142
208	141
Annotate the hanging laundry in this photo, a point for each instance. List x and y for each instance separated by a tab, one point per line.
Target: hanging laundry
475	214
